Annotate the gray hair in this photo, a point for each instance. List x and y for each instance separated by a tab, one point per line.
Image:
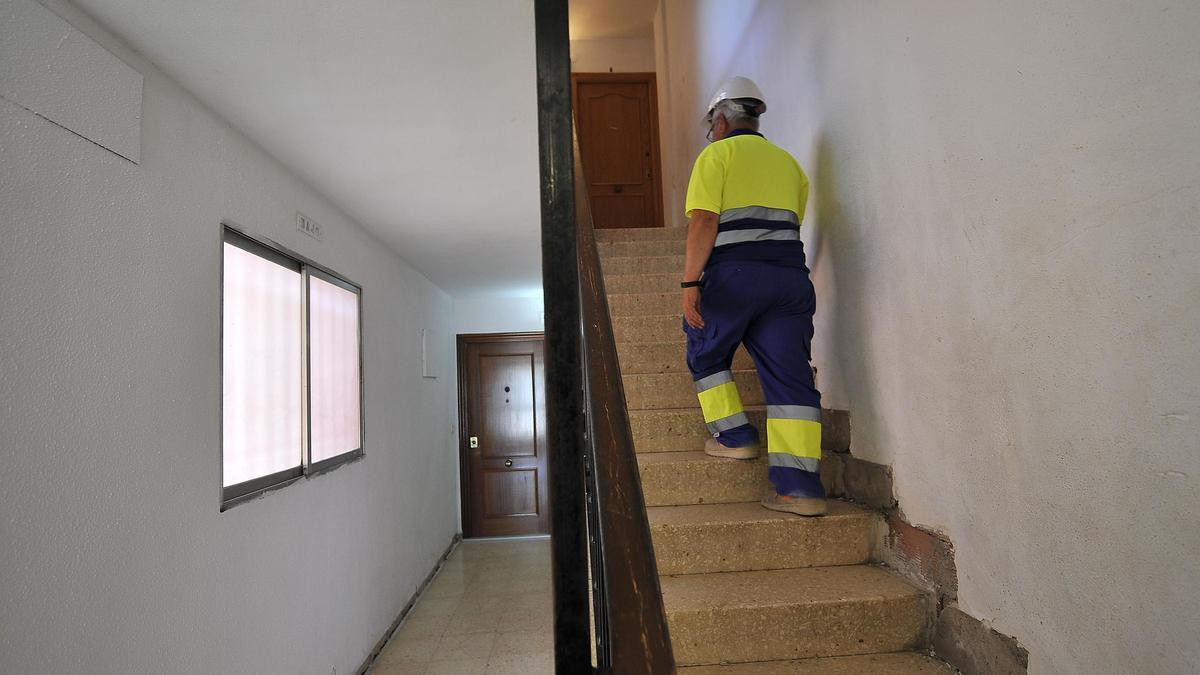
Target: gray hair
740	112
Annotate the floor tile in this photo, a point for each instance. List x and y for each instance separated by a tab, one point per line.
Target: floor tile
435	607
473	646
532	664
432	626
523	643
416	649
489	609
457	667
406	668
469	622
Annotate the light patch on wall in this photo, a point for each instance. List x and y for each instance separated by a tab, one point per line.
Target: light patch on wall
56	72
430	354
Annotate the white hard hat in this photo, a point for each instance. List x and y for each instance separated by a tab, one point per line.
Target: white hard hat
734	88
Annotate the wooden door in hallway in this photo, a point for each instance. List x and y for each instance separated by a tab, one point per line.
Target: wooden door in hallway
617	117
502	435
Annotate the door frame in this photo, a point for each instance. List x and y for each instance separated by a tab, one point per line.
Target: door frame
464	471
651	79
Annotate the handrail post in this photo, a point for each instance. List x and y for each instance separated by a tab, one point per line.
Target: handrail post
564	369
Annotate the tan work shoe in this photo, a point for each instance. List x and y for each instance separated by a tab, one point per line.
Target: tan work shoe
714	448
801	506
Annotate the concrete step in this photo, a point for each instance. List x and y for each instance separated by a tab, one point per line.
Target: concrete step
774	615
682	429
680	478
637	329
666	357
641	233
739	537
679	429
898	663
659	264
654	391
610	249
662	282
646	304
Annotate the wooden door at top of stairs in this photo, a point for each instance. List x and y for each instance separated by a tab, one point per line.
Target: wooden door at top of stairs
617	118
502	429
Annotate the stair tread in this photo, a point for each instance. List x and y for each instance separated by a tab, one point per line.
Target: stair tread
689	409
773	588
742	512
640	274
735	371
654	294
640	233
895	663
687	456
741	535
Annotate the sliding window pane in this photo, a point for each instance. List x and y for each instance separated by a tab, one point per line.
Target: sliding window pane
333	379
262	359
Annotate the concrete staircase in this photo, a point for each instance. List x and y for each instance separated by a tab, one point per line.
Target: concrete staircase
746	590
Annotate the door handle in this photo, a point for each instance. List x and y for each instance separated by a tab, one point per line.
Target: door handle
508	463
618	189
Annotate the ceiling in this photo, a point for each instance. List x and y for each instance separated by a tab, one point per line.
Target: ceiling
601	19
418	118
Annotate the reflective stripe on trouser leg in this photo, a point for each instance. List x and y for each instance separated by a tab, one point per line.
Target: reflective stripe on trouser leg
721	403
794	449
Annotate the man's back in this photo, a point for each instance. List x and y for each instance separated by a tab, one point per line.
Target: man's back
760	193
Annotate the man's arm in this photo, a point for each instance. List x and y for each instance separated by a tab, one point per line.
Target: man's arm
702	234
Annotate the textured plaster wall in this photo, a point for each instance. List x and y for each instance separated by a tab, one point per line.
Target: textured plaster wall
115	556
615	55
1004	237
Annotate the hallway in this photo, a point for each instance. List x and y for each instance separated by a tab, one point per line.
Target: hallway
488	611
239	240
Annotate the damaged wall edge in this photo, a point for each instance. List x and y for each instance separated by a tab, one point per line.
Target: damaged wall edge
924	557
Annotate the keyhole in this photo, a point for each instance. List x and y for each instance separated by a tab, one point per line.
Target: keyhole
506	390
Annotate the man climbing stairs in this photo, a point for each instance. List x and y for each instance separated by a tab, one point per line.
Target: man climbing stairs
746	590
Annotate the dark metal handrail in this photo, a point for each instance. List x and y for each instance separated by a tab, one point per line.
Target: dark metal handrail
598	514
631	625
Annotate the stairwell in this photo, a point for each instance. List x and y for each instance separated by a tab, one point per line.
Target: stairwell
746	590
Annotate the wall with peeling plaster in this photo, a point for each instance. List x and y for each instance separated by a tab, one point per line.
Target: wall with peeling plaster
1004	236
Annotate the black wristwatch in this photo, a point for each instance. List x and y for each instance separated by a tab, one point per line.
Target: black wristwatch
689	284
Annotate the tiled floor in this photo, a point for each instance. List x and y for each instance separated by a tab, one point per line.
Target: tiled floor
488	611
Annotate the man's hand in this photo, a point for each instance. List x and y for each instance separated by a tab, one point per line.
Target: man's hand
691	308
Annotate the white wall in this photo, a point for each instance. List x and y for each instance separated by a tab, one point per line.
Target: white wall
115	556
612	55
497	314
1004	241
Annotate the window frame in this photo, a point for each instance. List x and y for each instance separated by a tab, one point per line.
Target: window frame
272	251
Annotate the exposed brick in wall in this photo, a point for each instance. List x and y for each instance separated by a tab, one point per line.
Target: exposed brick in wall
924	557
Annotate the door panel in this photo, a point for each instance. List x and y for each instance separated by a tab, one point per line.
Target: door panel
507	423
618	138
502	406
510	493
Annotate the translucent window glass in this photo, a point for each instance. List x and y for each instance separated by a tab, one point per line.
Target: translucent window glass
262	361
333	378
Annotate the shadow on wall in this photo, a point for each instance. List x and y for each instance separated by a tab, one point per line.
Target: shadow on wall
837	244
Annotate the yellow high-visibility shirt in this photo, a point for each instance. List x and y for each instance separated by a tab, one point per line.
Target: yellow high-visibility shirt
759	191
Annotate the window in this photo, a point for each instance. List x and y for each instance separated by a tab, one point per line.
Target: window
290	369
